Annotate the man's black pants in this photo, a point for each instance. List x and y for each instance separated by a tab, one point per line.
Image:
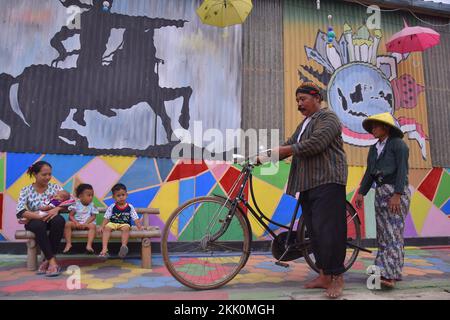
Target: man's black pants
323	209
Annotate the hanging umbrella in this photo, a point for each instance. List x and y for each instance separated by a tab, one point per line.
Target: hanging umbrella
412	39
223	13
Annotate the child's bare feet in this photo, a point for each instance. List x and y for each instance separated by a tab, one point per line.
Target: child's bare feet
90	250
67	249
336	287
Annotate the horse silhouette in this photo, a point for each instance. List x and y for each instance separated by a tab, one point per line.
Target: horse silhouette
129	79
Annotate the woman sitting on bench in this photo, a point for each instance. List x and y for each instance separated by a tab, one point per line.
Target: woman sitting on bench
31	200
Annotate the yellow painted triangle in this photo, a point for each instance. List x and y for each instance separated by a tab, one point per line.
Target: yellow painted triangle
419	208
167	201
25	180
267	197
76	182
119	163
14	190
355	175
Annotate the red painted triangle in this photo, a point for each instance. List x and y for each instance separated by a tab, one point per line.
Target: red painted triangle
429	186
186	169
228	180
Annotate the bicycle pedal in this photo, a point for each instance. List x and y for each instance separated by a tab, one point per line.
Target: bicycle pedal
282	264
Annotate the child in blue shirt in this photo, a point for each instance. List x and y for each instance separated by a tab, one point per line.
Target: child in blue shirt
118	216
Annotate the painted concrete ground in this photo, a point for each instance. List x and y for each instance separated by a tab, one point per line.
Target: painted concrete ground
426	275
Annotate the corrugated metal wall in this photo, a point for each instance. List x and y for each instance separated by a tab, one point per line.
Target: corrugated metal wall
263	90
158	72
437	78
302	21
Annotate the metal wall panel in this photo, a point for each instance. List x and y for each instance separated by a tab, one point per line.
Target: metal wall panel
262	93
437	78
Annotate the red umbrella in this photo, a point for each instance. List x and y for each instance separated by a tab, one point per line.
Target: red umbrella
412	39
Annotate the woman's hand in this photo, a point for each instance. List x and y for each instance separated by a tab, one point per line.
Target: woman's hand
359	201
51	214
394	203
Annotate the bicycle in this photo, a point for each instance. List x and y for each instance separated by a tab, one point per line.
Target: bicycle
213	256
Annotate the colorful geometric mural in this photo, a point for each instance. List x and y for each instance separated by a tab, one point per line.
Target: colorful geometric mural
358	78
162	184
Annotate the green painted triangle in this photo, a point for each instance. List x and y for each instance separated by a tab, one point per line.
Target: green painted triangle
98	203
197	227
237	166
350	196
217	191
69	186
443	191
2	174
278	179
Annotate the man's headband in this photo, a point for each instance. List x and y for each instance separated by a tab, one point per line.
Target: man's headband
309	90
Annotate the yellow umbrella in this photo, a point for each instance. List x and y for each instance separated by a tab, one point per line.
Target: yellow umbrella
223	13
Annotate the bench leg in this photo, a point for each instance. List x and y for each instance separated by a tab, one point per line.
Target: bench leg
32	255
146	254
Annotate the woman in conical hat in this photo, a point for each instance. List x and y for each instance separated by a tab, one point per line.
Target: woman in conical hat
387	170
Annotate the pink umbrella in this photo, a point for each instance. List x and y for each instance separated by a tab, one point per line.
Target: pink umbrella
412	39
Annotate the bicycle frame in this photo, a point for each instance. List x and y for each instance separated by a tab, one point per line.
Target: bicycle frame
246	176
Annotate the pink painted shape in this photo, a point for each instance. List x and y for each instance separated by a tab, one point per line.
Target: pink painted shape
100	176
408	121
410	229
362	136
436	224
156	221
10	224
218	168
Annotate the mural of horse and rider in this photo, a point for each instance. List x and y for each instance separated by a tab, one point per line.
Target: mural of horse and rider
127	82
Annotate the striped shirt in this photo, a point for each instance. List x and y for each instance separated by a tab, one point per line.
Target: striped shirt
319	156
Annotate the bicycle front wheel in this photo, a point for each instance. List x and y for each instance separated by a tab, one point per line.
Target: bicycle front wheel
204	244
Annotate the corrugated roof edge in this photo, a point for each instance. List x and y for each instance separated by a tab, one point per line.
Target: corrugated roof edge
419	6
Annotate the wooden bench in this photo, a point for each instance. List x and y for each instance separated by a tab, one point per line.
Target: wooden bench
145	235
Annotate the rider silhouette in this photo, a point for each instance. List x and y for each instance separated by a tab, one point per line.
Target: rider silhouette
95	30
137	53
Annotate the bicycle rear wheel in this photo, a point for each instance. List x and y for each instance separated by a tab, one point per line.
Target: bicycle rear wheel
353	240
195	250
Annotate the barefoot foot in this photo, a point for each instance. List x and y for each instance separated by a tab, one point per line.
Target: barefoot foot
336	287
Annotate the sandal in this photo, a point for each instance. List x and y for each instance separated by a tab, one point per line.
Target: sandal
123	251
53	271
103	255
90	252
43	268
67	251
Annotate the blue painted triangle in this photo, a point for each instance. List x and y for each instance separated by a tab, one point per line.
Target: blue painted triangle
164	167
142	199
186	193
446	207
204	183
109	201
2	238
141	174
17	164
65	166
284	211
